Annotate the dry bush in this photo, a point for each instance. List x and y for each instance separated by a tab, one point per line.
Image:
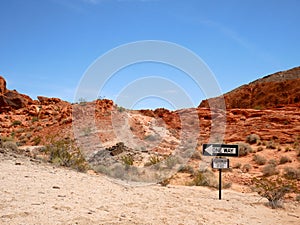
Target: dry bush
284	159
260	160
186	169
271	145
252	139
260	148
237	166
270	170
10	145
273	161
291	173
66	153
246	168
244	149
205	178
273	189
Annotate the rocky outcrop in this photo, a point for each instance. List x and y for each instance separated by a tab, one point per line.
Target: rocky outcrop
274	90
12	99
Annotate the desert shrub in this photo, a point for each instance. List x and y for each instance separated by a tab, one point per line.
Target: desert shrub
10	145
244	149
237	165
273	190
154	159
273	162
287	149
270	170
34	119
271	145
284	159
16	123
66	153
186	169
82	101
121	109
196	155
37	140
298	198
246	168
205	178
252	139
127	160
259	149
291	173
260	160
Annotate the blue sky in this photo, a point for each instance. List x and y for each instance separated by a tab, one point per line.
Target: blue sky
46	46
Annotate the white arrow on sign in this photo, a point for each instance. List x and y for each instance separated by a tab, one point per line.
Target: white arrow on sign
209	150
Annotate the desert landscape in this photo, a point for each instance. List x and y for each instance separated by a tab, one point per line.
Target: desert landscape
99	163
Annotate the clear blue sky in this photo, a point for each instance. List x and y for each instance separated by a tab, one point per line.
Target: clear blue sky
47	45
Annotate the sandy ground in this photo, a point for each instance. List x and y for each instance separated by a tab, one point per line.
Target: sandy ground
37	193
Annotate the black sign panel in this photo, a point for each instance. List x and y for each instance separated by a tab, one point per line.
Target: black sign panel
220	150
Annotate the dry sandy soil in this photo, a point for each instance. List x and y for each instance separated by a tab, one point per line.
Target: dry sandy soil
38	193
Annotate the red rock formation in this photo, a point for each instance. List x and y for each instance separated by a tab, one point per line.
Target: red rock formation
281	88
12	99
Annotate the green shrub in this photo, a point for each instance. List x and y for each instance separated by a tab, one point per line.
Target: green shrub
260	160
127	160
16	123
37	140
205	178
244	149
252	139
284	159
34	119
66	153
121	109
270	170
272	189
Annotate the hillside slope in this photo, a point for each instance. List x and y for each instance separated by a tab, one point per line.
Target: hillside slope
277	89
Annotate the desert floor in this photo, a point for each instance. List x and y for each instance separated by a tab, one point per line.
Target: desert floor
38	193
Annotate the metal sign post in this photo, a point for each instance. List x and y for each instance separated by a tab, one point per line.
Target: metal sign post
220	163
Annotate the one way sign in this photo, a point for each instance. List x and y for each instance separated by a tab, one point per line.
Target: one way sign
220	150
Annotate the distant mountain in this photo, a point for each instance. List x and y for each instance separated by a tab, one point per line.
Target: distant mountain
281	88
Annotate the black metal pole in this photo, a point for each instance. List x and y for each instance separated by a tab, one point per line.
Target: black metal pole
220	184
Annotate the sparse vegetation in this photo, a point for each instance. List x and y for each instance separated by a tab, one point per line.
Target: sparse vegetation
272	189
252	139
246	168
271	145
260	160
237	166
121	109
260	148
16	123
244	149
66	153
284	159
186	169
127	160
291	173
270	170
10	145
204	178
37	140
